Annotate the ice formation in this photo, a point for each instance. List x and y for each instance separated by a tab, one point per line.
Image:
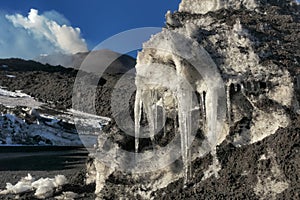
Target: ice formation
175	61
192	72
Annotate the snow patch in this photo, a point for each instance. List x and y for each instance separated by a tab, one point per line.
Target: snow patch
199	6
10	76
17	98
44	187
205	6
87	119
12	94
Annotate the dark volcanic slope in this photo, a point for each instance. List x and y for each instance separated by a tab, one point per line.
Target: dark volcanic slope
44	82
278	28
55	83
93	60
241	168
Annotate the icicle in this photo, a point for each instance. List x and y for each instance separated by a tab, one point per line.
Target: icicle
201	108
189	135
175	123
148	102
228	103
242	88
268	86
154	107
203	112
137	118
175	116
212	122
163	115
184	117
154	114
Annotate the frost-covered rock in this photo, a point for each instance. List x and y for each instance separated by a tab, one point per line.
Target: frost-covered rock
204	6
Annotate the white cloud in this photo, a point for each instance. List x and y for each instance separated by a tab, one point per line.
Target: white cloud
35	34
56	16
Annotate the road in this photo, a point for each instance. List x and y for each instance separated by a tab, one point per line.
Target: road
41	158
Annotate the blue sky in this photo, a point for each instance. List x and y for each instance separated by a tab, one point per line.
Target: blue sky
24	36
70	26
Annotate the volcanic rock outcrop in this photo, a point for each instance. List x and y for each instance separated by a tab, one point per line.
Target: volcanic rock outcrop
220	84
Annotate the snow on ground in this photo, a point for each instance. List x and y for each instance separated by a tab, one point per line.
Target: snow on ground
10	76
40	128
72	116
43	187
18	93
88	120
12	102
88	125
14	130
13	99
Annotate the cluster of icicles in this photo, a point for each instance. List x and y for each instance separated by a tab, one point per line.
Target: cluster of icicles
148	101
